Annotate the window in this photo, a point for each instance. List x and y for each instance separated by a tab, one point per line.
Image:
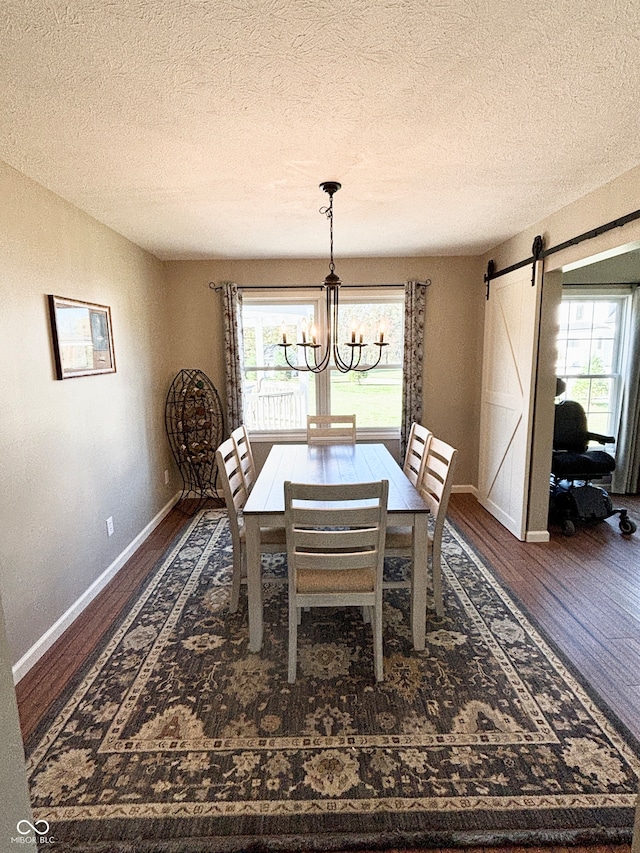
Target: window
591	352
278	398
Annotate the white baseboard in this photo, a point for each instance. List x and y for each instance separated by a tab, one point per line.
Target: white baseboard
537	536
469	490
33	655
530	536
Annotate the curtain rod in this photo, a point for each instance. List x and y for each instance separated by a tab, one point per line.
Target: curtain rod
218	287
539	252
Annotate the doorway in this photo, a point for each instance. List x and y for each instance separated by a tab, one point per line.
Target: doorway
609	379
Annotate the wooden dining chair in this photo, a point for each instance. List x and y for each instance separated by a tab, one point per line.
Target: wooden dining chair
272	539
240	437
416	455
331	429
435	489
335	554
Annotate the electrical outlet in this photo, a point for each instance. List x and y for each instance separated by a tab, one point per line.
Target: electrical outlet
110	526
166	477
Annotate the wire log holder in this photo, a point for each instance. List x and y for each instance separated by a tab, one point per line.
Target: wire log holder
195	426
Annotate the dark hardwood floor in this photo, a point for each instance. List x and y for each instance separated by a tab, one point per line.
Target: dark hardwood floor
583	591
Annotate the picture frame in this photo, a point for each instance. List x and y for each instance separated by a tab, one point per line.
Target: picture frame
82	338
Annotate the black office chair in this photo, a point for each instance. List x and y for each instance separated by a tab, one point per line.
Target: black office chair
573	497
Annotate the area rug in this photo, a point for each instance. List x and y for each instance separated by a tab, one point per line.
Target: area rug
176	738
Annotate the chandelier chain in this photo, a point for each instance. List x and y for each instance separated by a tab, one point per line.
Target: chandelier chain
327	210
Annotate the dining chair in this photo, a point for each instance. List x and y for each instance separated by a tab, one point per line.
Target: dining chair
435	489
331	429
335	554
240	437
272	539
416	454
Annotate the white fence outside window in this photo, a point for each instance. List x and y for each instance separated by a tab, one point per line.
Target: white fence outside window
275	409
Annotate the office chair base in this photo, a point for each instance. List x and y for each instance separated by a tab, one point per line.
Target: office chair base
574	502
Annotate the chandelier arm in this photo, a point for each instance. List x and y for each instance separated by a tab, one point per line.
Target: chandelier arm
356	367
286	358
377	362
319	366
370	366
300	368
308	367
324	361
332	318
311	368
342	366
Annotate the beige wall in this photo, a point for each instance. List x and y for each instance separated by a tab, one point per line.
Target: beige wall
453	332
77	451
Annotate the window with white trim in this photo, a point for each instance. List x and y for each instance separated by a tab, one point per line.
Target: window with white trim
277	398
591	352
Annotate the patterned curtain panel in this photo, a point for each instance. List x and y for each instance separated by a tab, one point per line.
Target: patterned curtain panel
232	311
415	297
626	477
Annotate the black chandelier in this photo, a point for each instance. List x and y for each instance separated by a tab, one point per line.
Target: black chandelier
320	357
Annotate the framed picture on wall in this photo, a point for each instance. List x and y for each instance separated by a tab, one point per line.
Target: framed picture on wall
82	338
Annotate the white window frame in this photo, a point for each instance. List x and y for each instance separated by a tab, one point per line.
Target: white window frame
621	294
317	299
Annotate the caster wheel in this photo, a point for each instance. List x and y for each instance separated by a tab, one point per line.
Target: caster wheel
627	526
568	527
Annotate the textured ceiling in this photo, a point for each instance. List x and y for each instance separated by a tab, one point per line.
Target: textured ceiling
201	128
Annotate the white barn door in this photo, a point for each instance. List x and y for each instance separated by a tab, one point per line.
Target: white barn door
508	393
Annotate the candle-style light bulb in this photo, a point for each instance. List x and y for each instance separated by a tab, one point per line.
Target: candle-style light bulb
381	333
304	330
284	332
313	335
353	333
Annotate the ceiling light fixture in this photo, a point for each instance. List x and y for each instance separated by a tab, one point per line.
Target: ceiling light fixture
319	358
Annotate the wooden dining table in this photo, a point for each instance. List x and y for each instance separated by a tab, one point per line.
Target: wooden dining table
336	463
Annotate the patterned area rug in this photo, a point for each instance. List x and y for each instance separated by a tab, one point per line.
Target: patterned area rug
176	738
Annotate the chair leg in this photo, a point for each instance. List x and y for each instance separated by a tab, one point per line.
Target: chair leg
236	578
378	657
436	574
294	614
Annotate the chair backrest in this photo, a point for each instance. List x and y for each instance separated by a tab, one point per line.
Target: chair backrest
570	427
335	528
416	455
240	437
437	480
233	488
331	429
